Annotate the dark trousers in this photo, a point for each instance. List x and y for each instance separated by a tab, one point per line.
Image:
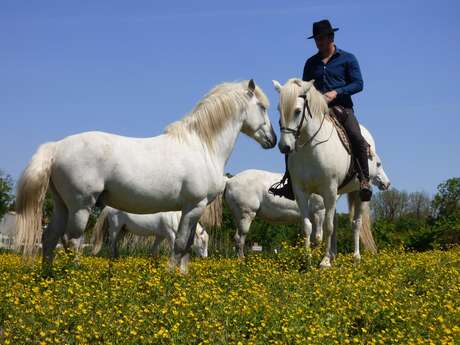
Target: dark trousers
358	144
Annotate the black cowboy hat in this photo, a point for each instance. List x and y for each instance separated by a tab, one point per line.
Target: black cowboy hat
322	28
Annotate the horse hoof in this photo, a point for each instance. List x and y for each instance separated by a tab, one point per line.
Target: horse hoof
172	264
356	258
325	263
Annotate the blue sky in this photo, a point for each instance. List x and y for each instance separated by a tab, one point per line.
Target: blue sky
132	67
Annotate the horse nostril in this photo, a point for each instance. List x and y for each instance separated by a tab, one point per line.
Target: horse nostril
285	149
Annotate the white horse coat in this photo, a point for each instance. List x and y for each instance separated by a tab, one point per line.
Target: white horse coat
180	170
162	225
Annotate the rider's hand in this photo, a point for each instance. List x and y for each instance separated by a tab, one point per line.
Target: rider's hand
330	96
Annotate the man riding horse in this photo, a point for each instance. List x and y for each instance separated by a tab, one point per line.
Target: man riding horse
337	75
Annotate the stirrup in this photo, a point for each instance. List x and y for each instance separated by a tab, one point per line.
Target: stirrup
365	191
282	189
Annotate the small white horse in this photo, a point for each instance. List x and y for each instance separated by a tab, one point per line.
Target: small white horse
162	225
318	163
247	196
180	170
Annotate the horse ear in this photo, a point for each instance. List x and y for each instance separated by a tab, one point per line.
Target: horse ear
252	85
277	85
307	85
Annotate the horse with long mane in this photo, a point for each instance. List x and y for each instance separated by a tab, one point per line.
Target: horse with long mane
162	225
318	161
180	170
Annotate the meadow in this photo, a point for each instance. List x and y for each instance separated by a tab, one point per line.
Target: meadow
394	297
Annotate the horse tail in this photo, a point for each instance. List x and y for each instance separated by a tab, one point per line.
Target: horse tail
366	230
99	231
30	196
212	215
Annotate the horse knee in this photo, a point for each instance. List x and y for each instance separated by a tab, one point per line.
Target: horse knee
180	245
76	223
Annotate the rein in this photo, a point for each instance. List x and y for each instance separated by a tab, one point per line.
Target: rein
296	131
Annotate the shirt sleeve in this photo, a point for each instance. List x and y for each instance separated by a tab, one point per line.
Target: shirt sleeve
354	77
307	74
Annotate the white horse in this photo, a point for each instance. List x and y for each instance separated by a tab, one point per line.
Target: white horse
162	225
318	162
180	170
247	196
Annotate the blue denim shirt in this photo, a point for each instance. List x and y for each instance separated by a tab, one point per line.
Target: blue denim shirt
341	73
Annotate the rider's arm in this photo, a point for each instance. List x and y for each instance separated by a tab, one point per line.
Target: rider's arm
353	75
307	73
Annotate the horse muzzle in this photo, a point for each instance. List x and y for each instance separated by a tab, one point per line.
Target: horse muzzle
285	147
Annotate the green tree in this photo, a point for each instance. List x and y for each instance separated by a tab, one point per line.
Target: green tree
6	193
447	200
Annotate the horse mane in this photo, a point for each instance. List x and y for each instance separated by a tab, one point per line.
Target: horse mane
293	89
214	111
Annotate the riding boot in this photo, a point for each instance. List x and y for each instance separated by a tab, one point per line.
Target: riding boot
365	191
360	151
284	187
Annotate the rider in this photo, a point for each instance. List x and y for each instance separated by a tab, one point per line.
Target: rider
337	75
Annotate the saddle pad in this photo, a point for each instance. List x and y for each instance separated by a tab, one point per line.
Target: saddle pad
340	131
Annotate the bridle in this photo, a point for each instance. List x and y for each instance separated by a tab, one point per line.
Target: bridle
296	132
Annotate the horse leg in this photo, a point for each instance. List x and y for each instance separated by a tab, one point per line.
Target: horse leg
54	231
356	224
318	217
302	199
76	222
186	233
244	224
115	228
156	245
184	263
329	204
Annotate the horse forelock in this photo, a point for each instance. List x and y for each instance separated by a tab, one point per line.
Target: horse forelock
288	99
214	111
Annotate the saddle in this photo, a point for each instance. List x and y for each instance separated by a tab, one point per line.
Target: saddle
338	115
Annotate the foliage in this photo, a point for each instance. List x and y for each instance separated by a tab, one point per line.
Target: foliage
390	298
447	200
6	193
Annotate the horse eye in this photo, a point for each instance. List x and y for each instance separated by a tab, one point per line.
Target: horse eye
297	112
379	165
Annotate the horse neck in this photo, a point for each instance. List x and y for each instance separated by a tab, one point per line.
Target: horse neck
225	140
326	149
316	129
